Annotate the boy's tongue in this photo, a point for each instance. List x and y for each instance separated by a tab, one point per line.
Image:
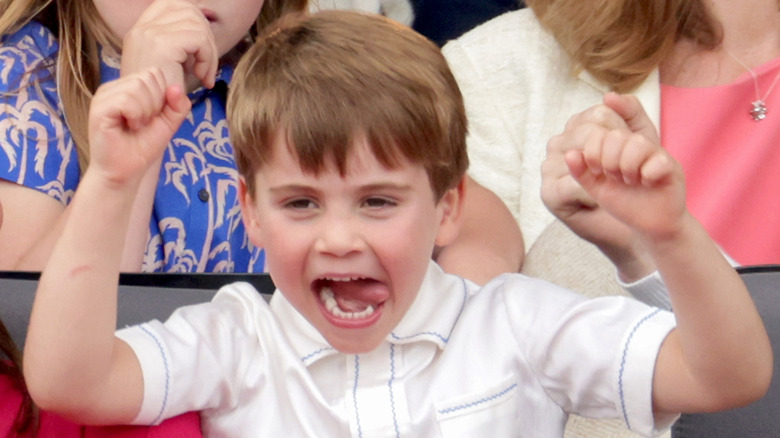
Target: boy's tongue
355	296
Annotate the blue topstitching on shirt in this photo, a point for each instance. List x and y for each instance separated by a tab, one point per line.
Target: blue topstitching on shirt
167	371
480	401
315	353
444	338
390	387
354	394
623	364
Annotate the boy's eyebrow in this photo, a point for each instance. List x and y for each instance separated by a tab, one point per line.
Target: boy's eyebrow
292	188
389	185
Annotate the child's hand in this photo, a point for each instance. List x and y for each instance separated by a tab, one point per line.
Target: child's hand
625	171
566	198
131	121
175	36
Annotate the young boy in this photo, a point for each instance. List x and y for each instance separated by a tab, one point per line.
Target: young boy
350	136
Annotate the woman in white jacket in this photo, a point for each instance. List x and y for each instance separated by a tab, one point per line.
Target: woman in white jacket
705	73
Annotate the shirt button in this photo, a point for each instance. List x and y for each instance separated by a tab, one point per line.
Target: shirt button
203	195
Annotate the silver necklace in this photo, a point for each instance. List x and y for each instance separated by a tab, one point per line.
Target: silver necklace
759	110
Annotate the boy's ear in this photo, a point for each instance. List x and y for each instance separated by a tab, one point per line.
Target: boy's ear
249	213
452	209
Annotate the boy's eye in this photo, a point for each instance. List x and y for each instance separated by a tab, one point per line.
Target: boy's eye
379	202
300	204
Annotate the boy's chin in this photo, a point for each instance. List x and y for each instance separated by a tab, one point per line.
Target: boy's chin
361	345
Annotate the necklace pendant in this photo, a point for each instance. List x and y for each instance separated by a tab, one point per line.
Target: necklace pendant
759	110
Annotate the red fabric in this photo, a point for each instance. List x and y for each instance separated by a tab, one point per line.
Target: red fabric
185	425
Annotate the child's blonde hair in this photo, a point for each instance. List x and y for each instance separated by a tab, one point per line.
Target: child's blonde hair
324	80
80	31
620	42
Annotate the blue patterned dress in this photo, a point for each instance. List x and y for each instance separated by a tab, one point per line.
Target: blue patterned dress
196	221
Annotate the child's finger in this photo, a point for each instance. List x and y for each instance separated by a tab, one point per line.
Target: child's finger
593	144
571	193
657	168
563	194
573	138
560	191
577	164
629	108
636	150
612	152
601	115
145	93
205	62
177	106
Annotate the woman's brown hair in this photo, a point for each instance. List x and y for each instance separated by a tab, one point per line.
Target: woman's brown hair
620	42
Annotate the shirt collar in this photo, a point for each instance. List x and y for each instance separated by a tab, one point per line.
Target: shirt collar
435	311
431	317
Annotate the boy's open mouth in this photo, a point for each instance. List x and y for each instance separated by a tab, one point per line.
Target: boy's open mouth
351	298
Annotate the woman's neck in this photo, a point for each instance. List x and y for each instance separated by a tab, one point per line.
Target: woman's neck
751	33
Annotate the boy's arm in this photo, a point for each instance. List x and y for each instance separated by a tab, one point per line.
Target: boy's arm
719	355
73	364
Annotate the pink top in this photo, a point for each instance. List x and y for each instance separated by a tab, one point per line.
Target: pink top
185	425
731	162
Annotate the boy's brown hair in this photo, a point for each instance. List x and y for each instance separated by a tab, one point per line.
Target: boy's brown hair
327	79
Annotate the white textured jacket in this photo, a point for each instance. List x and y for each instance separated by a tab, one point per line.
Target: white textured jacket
520	89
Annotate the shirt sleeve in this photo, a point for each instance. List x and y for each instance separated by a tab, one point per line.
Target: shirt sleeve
196	360
595	357
36	149
652	290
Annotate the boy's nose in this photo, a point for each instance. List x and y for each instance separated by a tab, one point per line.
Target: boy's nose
339	236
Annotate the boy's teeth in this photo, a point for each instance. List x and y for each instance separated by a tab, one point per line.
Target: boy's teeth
326	295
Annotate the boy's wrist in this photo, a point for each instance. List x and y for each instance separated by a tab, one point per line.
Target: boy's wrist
632	262
657	244
110	184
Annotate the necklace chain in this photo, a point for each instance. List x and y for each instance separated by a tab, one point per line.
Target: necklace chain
759	110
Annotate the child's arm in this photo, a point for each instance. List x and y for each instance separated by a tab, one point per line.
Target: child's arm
719	355
172	35
175	36
72	362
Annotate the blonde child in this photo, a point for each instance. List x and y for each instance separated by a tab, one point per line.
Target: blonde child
54	55
350	139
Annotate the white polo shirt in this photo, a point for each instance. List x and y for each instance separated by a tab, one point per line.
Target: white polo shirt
509	359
